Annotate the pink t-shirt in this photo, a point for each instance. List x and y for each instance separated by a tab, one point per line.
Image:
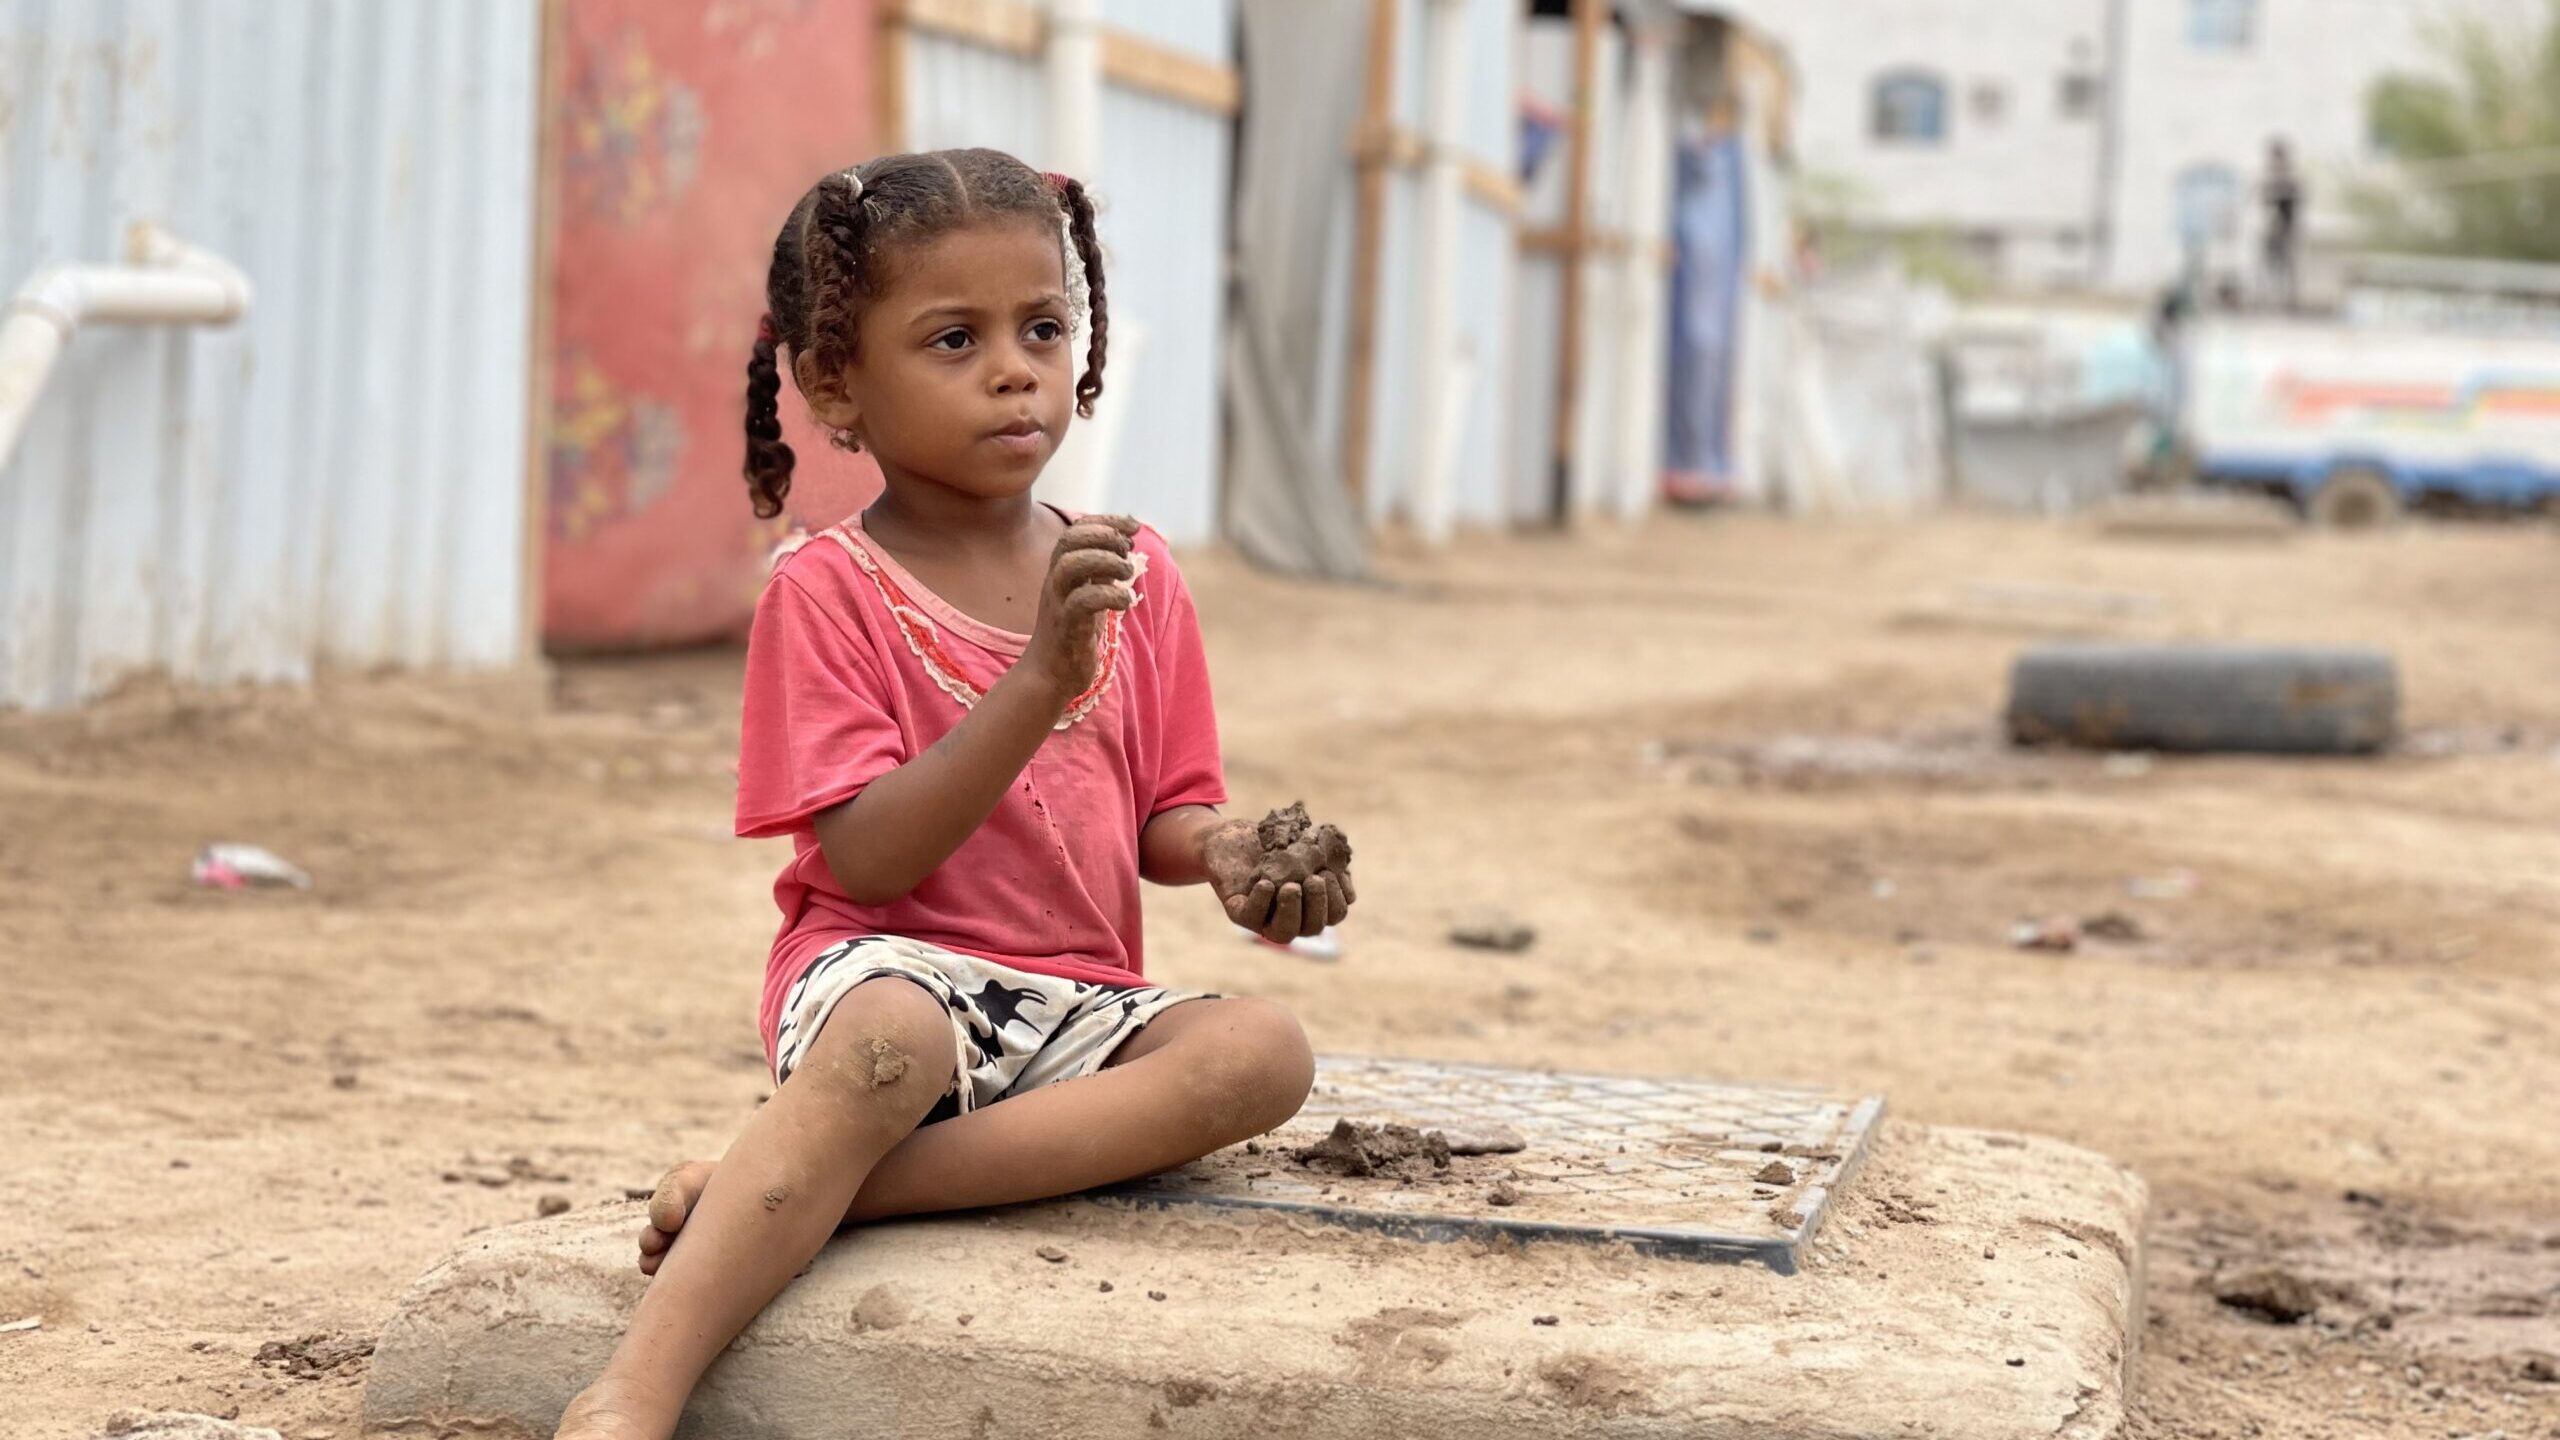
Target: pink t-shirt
854	668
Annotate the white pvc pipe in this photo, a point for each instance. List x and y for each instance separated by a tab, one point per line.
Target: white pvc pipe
1075	88
1436	434
165	281
1078	477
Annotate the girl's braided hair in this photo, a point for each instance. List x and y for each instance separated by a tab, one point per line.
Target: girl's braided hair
838	246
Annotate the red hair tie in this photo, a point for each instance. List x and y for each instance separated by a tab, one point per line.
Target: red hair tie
764	330
1057	181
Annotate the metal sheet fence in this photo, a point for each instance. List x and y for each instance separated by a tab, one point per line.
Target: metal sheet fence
1481	487
341	477
1163	197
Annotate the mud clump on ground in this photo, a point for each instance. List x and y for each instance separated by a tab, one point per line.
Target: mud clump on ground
1295	848
1492	930
2115	927
1397	1152
2276	1296
315	1355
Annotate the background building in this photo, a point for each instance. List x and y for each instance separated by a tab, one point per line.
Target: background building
2079	144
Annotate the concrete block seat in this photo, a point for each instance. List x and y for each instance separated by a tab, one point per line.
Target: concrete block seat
1761	1263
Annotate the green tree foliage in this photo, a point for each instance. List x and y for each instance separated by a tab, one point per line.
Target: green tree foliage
2478	145
1840	214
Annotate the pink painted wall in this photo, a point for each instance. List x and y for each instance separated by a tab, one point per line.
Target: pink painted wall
686	133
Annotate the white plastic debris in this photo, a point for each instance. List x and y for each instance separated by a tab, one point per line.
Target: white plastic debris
2060	936
1322	945
237	867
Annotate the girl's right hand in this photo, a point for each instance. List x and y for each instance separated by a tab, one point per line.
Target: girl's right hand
1089	573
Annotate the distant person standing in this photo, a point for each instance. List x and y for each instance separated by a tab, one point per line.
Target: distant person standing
2282	193
1711	256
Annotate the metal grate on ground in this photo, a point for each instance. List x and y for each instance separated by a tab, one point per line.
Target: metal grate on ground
1672	1167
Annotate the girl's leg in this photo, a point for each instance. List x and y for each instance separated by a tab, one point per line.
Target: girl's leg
883	1059
1199	1077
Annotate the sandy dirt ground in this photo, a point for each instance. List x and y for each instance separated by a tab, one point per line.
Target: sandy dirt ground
1741	775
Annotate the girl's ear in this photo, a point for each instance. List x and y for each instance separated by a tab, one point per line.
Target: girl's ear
825	391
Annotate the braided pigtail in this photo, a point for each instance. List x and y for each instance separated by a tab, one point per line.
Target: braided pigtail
769	460
1080	232
837	232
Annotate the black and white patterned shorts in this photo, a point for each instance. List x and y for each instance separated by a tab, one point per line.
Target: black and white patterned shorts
1012	1031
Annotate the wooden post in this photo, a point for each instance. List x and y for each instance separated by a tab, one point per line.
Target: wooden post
1377	121
1587	15
889	63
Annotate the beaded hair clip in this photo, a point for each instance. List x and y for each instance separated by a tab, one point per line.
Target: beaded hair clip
1079	286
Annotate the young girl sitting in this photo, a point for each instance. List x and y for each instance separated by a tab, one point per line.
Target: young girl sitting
982	722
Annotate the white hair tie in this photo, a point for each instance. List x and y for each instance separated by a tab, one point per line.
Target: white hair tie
1079	286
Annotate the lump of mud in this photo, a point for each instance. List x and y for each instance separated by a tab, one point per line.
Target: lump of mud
888	1063
1294	847
2114	926
1493	930
2278	1297
1393	1151
1283	828
314	1355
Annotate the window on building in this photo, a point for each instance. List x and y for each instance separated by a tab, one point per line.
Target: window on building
1910	106
2077	96
2208	203
1989	101
2222	24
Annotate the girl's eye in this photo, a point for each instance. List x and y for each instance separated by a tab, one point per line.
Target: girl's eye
954	340
1047	331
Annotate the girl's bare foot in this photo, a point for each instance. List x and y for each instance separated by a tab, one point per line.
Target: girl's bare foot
677	1191
612	1410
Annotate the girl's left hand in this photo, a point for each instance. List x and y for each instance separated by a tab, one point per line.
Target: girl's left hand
1278	910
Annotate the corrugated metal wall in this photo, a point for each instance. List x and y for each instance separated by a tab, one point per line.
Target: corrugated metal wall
341	477
1547	74
1486	262
1206	28
1163	194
